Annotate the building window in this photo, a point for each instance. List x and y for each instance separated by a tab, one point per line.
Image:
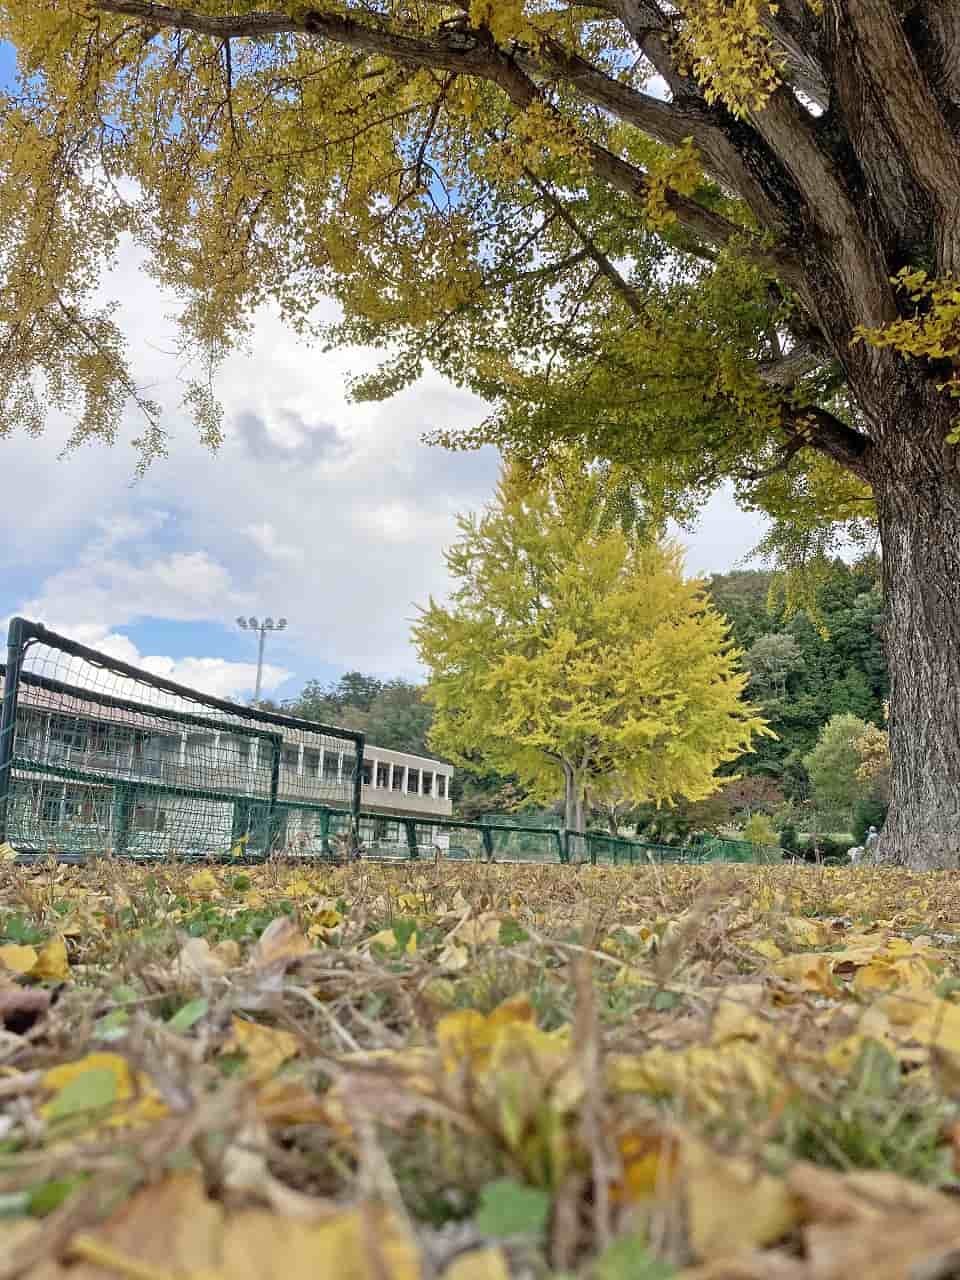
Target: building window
427	788
290	757
311	763
398	772
413	781
383	775
67	734
331	766
148	815
442	786
233	751
50	806
367	772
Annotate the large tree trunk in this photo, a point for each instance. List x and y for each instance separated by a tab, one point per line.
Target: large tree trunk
917	487
573	793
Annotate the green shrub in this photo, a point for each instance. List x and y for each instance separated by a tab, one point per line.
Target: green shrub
788	838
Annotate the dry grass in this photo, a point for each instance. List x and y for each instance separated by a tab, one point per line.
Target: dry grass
529	1070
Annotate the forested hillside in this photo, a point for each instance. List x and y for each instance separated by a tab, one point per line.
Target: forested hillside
804	670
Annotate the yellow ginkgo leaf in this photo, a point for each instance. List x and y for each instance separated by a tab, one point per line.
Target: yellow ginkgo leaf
704	1076
812	971
466	1038
805	933
299	887
485	928
266	1048
172	1229
101	1088
385	938
899	973
650	1161
18	959
7	852
52	964
732	1206
765	947
280	944
453	958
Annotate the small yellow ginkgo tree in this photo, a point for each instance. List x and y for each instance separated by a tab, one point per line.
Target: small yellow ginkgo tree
574	653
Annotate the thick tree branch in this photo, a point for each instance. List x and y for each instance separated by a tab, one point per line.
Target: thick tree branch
668	122
454	48
829	435
940	37
795	31
650	28
788	369
905	100
864	275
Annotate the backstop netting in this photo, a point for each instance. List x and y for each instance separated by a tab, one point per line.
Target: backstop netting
97	756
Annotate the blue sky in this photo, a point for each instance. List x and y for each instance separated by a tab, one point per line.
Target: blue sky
330	513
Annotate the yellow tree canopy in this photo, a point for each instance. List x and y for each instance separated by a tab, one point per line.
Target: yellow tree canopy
601	216
575	654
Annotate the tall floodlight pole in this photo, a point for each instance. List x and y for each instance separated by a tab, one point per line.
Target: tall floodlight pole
253	624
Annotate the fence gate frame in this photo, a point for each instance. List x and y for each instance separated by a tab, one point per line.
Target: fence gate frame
22	634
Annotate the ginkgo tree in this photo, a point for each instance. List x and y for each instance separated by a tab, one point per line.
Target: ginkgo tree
704	239
575	654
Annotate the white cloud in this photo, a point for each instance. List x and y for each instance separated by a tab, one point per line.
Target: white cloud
107	589
215	676
264	536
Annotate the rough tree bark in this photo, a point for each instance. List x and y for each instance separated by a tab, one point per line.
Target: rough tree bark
916	481
573	793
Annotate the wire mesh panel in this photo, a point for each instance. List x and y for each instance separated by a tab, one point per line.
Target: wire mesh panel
528	844
405	838
97	756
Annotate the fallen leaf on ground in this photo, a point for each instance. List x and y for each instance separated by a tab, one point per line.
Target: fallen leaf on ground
52	964
16	958
480	1264
731	1205
172	1230
281	943
266	1048
102	1088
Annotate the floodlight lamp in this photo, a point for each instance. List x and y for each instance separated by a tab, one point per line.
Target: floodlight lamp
268	623
242	624
281	625
253	624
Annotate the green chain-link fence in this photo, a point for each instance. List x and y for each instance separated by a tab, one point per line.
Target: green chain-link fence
97	756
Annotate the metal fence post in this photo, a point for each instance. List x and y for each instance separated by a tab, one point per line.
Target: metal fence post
486	835
357	800
270	834
124	804
411	830
16	643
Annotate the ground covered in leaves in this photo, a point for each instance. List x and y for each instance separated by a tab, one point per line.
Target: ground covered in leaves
478	1073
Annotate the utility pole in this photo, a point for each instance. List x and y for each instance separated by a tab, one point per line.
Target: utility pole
253	624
